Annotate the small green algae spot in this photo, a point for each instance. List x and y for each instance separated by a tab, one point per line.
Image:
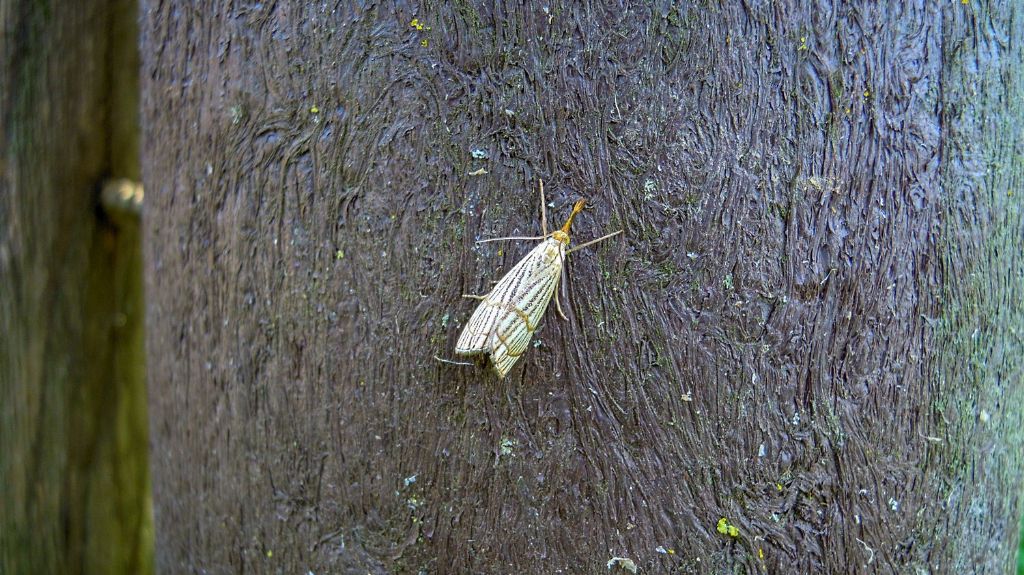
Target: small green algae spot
726	528
416	24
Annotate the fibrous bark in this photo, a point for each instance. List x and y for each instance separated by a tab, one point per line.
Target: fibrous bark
803	356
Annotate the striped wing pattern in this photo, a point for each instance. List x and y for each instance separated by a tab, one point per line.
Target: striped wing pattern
505	320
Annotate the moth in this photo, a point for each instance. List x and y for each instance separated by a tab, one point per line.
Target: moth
504	322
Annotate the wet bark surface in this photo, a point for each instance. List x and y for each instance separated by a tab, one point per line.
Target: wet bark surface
803	355
74	474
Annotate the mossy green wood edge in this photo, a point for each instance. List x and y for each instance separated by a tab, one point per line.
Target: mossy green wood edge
73	427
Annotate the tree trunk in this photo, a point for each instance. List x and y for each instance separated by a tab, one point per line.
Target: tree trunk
73	428
803	355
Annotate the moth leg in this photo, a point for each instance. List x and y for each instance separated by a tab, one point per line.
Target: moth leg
591	242
442	360
558	304
543	210
529	238
472	296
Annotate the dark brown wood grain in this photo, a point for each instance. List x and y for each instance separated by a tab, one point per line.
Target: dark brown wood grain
811	328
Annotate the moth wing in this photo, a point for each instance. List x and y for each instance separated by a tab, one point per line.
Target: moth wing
504	322
475	337
521	311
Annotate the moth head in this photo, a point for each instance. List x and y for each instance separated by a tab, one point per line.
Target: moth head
562	235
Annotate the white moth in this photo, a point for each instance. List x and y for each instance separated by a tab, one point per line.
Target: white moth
504	322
